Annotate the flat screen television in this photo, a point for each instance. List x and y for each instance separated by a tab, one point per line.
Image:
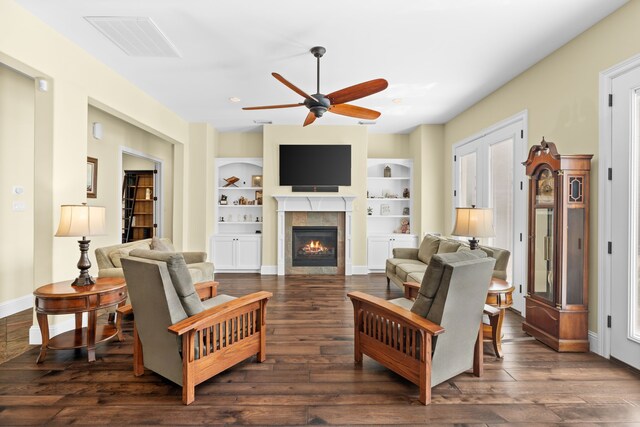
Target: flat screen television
315	165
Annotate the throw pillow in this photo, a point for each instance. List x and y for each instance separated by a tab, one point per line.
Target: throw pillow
428	248
116	255
161	245
448	246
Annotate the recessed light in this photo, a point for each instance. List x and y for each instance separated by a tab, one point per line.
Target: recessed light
234	99
364	122
397	100
262	122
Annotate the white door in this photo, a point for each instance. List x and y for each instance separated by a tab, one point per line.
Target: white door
625	219
248	251
489	173
223	252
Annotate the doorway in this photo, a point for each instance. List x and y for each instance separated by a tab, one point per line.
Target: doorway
488	173
141	176
619	314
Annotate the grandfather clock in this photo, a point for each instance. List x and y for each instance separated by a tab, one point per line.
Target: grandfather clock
558	276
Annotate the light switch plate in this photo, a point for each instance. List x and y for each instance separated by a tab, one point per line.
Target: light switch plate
18	189
19	206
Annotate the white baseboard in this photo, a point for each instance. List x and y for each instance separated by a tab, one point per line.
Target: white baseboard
269	270
16	305
359	270
594	343
35	338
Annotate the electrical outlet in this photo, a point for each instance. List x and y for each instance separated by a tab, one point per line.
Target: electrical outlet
19	206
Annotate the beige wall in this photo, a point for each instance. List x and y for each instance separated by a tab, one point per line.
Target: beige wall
388	146
17	115
76	80
561	96
119	135
239	145
274	136
135	163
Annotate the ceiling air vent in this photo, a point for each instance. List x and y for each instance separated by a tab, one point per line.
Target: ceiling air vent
135	35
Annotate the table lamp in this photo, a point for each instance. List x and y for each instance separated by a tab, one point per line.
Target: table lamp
82	221
474	222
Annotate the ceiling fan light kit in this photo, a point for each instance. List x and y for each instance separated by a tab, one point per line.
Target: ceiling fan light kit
335	102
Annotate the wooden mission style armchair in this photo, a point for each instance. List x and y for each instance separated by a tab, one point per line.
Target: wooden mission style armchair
435	337
184	339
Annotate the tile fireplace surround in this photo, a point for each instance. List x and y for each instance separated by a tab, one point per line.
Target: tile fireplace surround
292	203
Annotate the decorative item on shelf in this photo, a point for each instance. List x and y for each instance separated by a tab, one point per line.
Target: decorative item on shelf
473	222
244	218
259	196
223	199
82	221
92	177
387	171
258	232
133	221
405	211
385	210
231	181
256	180
221	219
405	193
147	194
235	202
369	210
404	226
257	219
242	200
367	194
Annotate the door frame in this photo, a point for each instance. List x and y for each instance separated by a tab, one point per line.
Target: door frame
601	342
520	197
158	182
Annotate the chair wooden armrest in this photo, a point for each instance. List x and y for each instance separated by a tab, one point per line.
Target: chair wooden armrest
411	289
219	313
398	313
206	290
125	309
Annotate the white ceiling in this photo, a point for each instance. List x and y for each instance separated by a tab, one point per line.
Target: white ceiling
439	56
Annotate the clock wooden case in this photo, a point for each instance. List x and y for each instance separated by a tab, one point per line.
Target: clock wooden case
558	269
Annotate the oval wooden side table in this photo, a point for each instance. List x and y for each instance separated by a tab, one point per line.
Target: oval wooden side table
500	296
63	298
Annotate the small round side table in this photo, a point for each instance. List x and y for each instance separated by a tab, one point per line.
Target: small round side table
63	298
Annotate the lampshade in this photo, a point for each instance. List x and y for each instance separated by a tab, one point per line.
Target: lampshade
81	221
474	222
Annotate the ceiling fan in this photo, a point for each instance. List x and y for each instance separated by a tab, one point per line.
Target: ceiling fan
335	102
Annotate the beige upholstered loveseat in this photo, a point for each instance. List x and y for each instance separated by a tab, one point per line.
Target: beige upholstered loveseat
109	264
410	264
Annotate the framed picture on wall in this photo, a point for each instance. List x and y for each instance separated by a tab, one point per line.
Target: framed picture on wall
256	180
92	177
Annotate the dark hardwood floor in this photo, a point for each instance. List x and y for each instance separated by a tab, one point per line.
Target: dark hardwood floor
310	378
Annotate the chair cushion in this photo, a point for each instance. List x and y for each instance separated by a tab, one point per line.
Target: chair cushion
402	270
217	300
163	245
434	277
179	276
116	255
415	277
392	263
428	247
402	302
448	246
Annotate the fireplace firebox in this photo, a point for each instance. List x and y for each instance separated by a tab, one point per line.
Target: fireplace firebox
314	246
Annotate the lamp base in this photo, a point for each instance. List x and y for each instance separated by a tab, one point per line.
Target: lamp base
84	264
473	243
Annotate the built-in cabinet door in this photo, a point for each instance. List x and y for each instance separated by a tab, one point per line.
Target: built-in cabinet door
379	248
248	252
224	252
377	252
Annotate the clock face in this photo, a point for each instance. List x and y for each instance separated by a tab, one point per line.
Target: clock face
545	186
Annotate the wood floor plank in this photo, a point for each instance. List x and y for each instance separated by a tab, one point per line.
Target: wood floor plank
309	376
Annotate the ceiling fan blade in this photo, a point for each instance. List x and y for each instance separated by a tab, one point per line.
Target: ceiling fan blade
357	91
292	86
266	107
310	119
354	111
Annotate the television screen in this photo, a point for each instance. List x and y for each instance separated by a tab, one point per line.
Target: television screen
315	165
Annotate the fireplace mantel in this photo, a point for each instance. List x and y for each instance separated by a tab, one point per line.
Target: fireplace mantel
315	203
